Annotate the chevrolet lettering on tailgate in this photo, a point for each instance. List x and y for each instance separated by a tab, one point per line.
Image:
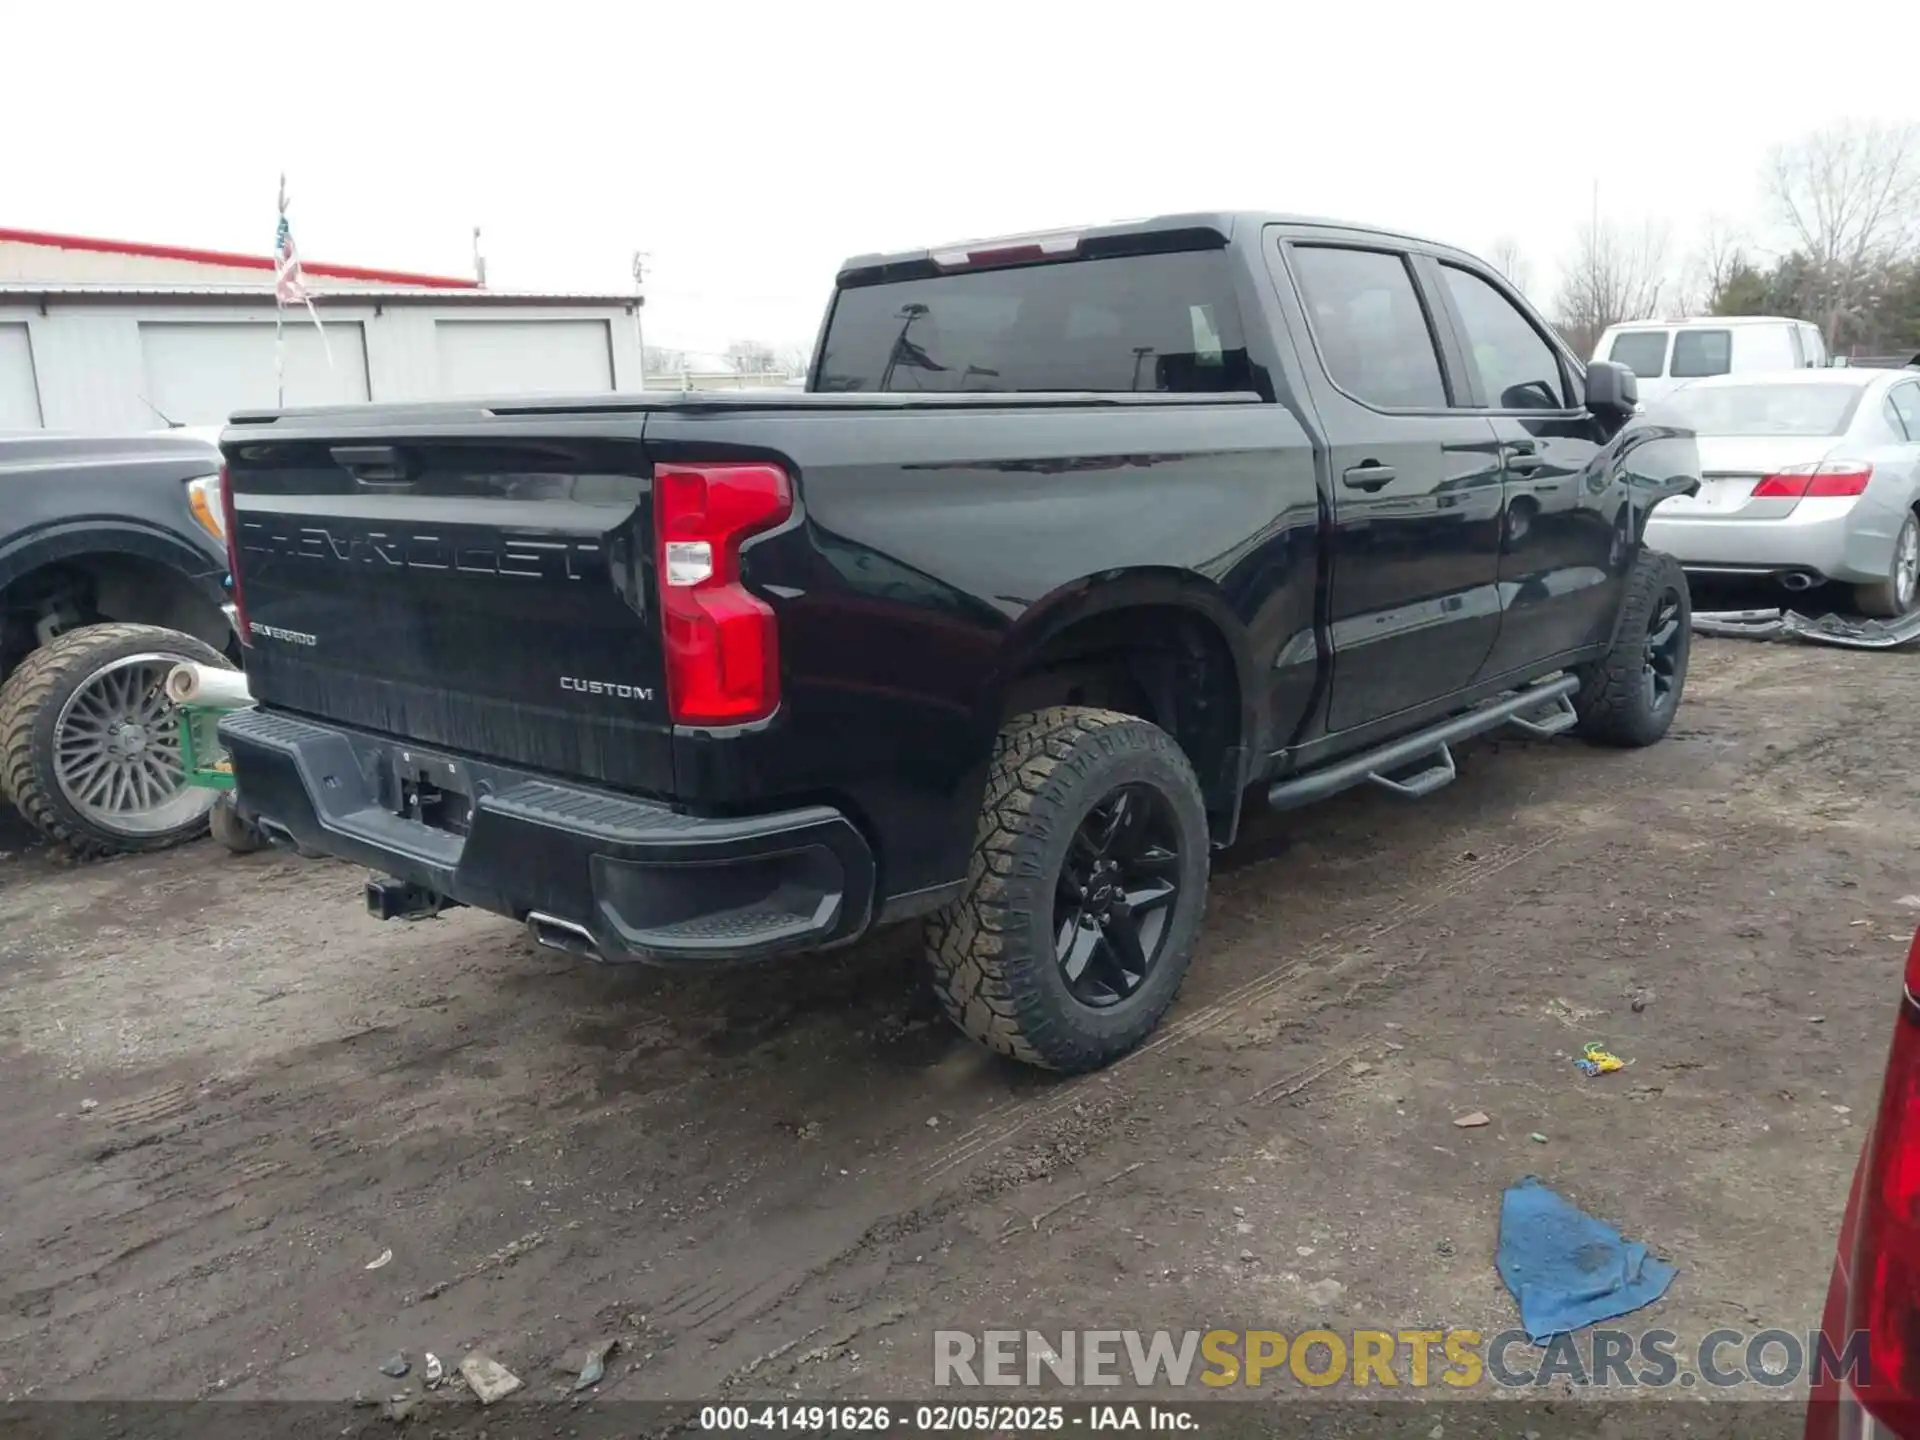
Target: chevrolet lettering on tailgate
466	553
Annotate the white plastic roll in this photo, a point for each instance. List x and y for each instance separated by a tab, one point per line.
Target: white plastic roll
191	684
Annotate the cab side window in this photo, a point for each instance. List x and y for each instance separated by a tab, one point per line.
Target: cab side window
1370	327
1518	368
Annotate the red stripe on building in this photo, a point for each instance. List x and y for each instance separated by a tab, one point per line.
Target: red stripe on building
222	257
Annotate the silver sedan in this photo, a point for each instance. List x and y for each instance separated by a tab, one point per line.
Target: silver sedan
1806	476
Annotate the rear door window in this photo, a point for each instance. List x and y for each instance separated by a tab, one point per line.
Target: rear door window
1128	323
1369	326
1642	351
1518	368
1702	352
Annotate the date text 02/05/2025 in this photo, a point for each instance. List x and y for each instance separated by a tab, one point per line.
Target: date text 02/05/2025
947	1419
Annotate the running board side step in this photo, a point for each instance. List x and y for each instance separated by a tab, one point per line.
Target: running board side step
1422	783
1539	710
1555	717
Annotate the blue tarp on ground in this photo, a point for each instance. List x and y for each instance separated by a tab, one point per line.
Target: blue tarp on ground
1565	1268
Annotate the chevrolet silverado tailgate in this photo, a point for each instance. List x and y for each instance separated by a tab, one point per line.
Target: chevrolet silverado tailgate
490	596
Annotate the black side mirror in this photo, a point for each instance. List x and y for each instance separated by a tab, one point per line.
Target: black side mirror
1612	391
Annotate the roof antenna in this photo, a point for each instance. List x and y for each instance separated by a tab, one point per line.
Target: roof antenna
479	260
172	424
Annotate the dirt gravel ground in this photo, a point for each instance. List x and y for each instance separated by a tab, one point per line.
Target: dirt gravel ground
228	1090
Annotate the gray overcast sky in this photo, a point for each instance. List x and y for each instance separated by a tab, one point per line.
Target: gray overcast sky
750	147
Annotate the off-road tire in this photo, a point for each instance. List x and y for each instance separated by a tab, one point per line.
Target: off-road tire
1882	599
30	702
1612	705
991	953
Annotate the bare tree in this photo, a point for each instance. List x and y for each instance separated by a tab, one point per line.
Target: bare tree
1615	275
1505	257
1721	256
1849	198
664	361
752	357
793	359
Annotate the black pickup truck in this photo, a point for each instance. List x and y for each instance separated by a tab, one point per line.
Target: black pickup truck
1075	542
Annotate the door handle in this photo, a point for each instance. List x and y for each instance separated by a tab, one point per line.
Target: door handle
1369	476
1521	459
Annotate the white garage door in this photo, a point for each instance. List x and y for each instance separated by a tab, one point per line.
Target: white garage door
19	395
200	372
522	357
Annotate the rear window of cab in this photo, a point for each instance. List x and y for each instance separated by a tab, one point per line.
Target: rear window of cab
1165	322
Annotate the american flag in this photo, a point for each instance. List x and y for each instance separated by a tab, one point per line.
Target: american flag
289	285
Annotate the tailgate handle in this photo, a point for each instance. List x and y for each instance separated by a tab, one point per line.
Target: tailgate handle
381	465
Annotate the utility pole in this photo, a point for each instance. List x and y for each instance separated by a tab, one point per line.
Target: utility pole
640	304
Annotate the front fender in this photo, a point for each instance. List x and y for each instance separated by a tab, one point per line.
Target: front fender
71	539
1652	461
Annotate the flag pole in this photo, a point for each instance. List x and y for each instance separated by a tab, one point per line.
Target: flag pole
289	287
280	310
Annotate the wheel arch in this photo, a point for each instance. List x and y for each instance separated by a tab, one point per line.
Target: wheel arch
1155	607
133	572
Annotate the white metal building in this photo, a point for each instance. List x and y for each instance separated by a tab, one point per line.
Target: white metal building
110	335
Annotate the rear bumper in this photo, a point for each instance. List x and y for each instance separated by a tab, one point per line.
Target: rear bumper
643	881
1833	539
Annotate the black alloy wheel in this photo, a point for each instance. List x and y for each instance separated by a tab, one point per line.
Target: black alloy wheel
1665	649
1118	890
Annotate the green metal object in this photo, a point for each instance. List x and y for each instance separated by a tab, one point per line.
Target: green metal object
201	754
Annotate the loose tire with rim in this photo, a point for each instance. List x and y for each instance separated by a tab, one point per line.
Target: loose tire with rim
1084	894
88	744
1895	596
1629	696
233	830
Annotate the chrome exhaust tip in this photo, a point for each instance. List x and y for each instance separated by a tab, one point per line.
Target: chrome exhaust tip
1797	580
550	932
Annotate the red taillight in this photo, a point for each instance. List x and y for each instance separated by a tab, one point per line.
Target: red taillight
231	526
722	643
1884	1278
1828	478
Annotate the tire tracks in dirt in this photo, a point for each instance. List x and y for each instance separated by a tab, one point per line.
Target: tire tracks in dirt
1001	1128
